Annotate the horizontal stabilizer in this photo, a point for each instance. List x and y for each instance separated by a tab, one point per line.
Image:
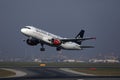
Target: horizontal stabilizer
87	46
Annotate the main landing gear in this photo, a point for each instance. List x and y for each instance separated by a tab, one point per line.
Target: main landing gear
58	48
42	49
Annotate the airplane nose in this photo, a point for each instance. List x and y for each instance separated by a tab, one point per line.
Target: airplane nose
23	30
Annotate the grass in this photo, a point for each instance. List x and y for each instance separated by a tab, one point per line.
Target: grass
84	64
5	73
18	64
60	64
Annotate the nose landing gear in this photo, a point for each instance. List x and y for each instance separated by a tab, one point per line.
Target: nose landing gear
42	49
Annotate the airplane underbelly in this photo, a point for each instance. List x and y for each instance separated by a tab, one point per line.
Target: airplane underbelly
46	39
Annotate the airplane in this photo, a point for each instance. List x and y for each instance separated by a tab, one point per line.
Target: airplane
39	36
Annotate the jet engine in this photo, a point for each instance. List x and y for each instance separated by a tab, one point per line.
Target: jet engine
32	42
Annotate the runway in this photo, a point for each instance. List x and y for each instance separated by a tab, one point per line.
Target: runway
45	73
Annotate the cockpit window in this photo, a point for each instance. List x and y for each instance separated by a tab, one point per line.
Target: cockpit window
28	27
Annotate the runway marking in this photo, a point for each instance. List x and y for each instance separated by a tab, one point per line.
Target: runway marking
80	79
18	73
75	72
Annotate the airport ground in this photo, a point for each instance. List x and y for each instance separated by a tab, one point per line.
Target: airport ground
54	71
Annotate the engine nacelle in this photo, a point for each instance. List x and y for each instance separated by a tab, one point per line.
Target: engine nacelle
32	42
56	42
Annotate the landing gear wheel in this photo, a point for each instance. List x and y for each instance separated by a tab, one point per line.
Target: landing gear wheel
42	49
58	49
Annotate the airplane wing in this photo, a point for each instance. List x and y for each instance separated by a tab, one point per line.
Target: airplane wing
76	40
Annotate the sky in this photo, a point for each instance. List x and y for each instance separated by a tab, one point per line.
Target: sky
99	18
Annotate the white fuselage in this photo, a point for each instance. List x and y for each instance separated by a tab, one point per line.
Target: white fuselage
45	37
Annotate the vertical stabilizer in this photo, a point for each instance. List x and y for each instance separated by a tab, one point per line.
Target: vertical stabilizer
80	35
